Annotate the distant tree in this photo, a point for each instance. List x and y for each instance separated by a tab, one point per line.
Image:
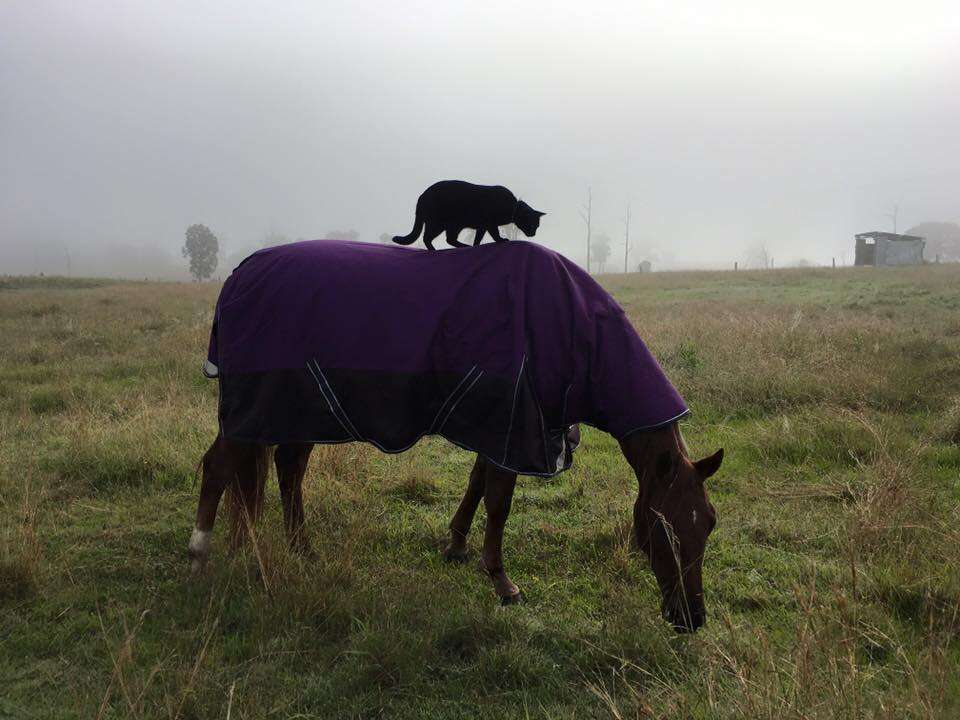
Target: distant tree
342	235
943	239
201	248
759	257
587	214
601	250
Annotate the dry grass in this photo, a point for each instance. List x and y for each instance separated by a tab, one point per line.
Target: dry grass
21	551
832	580
949	426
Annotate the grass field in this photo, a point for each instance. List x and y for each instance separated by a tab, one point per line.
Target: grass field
832	579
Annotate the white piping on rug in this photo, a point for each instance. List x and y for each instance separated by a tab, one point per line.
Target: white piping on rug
655	426
334	396
462	396
329	404
450	397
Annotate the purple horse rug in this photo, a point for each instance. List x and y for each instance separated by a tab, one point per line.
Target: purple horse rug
500	349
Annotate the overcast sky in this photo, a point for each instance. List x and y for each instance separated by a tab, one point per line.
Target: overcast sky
725	125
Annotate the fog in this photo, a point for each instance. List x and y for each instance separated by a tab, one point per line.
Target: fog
724	125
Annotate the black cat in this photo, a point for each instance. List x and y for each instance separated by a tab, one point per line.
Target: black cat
451	205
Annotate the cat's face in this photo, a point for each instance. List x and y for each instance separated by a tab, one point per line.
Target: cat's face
527	219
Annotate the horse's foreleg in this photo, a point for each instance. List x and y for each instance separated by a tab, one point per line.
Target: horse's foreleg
497	496
456	550
291	461
218	470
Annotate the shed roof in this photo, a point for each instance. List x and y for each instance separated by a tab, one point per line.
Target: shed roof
877	235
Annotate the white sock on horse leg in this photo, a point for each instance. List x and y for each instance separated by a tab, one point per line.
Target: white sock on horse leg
199	548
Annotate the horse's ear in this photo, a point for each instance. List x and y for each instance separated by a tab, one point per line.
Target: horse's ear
664	464
709	465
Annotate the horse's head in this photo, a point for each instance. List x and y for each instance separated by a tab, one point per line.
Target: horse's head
672	519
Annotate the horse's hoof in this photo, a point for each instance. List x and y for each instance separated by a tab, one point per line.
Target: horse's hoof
455	556
515	599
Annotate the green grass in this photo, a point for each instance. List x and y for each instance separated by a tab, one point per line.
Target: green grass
832	579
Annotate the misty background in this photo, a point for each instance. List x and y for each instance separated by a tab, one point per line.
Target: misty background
724	125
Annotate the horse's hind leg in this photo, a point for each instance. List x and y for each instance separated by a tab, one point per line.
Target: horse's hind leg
456	550
497	496
220	464
247	489
291	461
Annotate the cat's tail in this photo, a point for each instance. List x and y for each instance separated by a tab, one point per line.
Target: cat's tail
414	234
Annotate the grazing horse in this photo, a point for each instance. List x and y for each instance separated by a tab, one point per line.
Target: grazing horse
502	350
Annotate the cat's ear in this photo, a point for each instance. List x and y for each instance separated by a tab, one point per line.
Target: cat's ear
539	214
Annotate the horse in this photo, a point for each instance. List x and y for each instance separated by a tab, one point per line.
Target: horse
287	384
672	515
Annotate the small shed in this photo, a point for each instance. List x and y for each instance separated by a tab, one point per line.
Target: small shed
884	248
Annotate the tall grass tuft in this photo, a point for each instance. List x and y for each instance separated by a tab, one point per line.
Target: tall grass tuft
21	550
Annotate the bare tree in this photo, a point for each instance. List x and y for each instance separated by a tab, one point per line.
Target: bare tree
893	215
588	219
626	240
